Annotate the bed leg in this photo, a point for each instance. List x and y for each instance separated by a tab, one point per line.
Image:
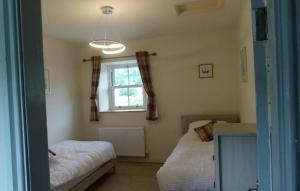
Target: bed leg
113	169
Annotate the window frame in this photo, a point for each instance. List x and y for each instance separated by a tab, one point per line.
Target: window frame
112	106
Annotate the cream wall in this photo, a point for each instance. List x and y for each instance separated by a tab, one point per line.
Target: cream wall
179	90
247	99
63	102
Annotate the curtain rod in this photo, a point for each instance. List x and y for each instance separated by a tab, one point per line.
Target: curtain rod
88	60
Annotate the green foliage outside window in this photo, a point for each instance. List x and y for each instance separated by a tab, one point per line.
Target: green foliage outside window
123	78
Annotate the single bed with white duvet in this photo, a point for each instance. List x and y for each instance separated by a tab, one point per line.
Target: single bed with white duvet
190	167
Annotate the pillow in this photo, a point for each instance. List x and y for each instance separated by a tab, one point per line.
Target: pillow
206	132
196	124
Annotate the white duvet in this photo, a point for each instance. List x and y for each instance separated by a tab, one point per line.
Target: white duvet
75	159
190	167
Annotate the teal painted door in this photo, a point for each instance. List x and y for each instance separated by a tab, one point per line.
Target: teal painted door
23	132
284	99
12	160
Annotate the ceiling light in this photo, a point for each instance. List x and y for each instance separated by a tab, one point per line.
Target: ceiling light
113	50
104	44
108	46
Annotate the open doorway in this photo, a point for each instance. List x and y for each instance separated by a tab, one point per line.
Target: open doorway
201	60
189	39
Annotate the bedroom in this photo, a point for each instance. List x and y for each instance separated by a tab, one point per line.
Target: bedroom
181	40
192	95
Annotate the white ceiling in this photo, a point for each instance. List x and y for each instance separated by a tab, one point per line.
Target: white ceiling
77	20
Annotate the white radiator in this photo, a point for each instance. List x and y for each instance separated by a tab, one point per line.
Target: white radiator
127	141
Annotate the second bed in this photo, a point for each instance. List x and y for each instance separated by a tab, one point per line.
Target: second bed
190	167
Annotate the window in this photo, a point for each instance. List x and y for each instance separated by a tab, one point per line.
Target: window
126	87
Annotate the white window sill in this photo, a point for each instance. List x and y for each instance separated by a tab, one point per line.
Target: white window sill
124	111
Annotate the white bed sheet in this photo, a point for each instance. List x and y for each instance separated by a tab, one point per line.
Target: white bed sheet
75	159
190	167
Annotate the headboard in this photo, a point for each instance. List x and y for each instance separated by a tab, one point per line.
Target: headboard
187	119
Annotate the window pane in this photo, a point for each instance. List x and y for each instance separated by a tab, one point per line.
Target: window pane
120	77
134	76
121	97
136	96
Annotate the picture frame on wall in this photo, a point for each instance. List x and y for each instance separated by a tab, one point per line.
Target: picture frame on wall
206	70
47	82
244	65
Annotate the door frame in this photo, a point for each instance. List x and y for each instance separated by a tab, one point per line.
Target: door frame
34	91
277	64
262	89
297	5
23	59
284	92
283	96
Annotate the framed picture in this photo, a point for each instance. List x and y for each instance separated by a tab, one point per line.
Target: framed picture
206	71
47	82
244	65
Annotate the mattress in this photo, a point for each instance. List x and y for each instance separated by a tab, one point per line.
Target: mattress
190	167
76	159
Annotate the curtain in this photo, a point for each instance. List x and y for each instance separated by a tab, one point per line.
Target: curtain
96	63
143	64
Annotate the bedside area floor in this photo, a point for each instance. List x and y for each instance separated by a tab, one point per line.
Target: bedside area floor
129	176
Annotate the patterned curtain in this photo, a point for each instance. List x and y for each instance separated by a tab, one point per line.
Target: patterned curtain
143	64
96	61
